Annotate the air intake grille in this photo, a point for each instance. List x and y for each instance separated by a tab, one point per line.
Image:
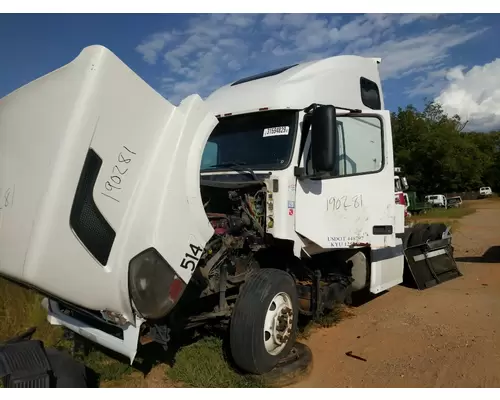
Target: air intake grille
86	220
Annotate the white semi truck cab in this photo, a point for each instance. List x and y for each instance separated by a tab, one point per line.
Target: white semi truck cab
107	213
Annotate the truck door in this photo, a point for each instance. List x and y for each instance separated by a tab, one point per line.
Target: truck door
355	208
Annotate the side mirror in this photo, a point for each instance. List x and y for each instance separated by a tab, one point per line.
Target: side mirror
324	140
404	183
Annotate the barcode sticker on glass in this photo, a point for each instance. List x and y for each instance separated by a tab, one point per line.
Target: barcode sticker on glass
276	131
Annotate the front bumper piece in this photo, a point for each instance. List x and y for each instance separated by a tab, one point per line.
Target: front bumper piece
120	339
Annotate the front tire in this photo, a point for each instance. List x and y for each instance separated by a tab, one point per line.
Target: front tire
264	321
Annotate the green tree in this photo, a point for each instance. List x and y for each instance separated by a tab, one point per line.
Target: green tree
438	156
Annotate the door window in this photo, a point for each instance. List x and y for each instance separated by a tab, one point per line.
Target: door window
370	94
360	146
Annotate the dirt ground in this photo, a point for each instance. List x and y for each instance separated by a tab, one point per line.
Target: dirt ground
446	336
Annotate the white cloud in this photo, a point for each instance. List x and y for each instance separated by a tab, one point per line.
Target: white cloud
272	20
215	49
430	84
409	18
234	65
150	47
362	26
404	54
240	20
474	95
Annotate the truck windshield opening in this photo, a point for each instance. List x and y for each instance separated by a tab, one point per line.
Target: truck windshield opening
261	140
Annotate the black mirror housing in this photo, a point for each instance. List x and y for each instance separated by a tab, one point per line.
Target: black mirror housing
324	140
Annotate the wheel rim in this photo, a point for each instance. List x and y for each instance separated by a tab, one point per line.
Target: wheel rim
278	324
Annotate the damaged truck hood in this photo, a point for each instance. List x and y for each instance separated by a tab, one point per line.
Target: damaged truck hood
96	167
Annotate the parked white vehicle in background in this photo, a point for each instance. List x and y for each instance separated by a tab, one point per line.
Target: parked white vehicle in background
437	200
485	191
107	214
455	201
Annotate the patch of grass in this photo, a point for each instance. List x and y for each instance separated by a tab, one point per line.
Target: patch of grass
324	321
445	214
451	216
108	368
202	364
452	223
156	378
20	309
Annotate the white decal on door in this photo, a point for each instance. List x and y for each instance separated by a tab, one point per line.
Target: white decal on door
344	241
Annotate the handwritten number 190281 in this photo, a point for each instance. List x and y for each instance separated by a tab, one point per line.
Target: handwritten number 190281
119	170
344	202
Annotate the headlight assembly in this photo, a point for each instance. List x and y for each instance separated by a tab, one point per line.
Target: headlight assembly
153	284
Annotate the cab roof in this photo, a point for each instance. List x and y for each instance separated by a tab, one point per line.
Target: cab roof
336	80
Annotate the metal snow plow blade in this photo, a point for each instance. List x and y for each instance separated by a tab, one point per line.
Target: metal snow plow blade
430	262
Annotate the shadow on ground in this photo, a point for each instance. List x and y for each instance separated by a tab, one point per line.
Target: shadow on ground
365	296
492	255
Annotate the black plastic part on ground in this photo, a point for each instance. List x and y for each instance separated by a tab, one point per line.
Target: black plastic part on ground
296	365
27	364
68	372
429	257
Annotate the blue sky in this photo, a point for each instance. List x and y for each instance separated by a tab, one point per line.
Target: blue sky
452	58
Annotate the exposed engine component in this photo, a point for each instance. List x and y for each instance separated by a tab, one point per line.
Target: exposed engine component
245	213
238	217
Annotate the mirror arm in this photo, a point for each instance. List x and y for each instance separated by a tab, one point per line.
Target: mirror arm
299	172
309	109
